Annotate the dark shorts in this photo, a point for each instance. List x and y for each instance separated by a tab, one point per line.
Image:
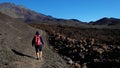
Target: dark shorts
38	48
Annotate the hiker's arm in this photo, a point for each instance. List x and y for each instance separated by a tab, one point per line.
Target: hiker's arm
41	40
33	41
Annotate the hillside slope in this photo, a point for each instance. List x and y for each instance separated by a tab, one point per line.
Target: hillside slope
17	11
16	50
29	16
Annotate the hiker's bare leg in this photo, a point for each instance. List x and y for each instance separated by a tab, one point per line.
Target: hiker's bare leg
37	54
40	54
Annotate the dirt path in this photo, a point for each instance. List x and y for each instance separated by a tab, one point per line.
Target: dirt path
23	56
16	49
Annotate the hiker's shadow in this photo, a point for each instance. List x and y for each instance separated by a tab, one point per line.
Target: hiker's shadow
22	54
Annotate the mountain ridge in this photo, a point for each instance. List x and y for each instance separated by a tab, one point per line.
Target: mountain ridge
30	16
18	10
106	21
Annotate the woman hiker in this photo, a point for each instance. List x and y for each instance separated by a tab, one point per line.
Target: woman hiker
38	43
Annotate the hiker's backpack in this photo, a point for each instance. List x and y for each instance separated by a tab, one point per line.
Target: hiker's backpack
37	40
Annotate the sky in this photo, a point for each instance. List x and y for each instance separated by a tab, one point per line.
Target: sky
83	10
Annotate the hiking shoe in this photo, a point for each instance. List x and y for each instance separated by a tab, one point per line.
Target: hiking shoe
37	58
41	58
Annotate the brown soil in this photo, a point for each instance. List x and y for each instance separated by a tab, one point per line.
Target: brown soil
16	50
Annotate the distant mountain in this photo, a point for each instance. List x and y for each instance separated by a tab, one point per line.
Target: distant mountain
27	15
17	11
106	21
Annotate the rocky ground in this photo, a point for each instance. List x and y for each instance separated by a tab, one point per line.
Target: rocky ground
16	50
88	47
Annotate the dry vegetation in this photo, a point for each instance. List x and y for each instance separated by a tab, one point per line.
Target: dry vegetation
108	36
85	47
